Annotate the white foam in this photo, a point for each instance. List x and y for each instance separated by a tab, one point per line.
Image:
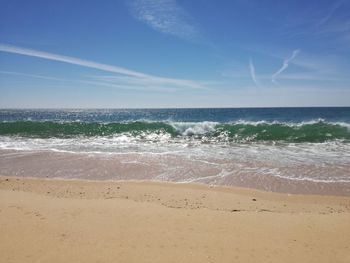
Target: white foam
290	124
317	162
194	128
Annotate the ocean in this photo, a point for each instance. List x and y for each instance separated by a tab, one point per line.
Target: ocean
294	150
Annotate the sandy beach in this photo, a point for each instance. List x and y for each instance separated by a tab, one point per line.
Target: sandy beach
169	131
85	221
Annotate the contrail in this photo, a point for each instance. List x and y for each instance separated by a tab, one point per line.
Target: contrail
30	75
122	85
252	73
285	65
331	12
95	65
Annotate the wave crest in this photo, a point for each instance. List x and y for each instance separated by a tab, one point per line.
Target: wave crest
240	131
194	128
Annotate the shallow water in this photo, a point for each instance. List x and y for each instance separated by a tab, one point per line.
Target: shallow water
301	150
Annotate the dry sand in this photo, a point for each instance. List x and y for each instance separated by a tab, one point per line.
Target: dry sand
82	221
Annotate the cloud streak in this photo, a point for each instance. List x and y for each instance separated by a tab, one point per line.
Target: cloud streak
124	84
30	75
285	65
330	13
165	16
252	73
99	66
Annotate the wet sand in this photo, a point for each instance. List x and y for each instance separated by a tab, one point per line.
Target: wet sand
86	221
169	168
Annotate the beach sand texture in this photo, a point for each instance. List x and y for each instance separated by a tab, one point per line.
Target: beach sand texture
84	221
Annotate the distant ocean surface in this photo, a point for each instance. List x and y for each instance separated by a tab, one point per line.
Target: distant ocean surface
296	150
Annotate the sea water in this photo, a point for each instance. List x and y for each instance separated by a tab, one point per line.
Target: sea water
297	150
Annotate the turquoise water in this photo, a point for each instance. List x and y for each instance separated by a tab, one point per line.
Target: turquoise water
240	125
317	131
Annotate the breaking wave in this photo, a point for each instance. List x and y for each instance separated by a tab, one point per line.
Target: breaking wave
240	131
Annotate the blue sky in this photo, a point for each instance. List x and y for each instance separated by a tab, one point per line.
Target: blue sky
167	53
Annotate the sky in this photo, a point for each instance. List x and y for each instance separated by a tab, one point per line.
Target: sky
174	53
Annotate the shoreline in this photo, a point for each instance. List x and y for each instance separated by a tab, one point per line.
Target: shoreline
55	220
244	190
131	167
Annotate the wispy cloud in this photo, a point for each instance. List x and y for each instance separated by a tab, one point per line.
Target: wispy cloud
285	64
252	73
334	25
103	67
98	81
165	16
326	24
125	81
313	62
30	75
330	13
